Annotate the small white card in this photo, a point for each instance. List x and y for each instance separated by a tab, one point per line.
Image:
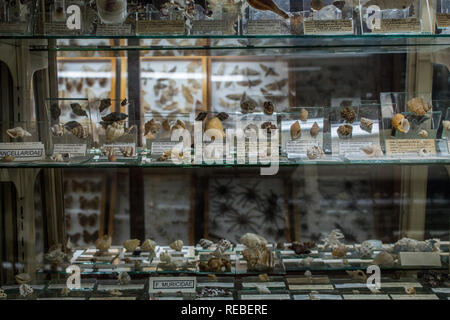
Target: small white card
73	150
173	284
23	151
265	297
266	284
366	297
414	297
311	287
420	259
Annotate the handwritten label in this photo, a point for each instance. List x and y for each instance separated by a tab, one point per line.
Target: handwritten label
264	27
328	26
59	28
409	146
420	259
414	297
113	29
159	147
12	28
208	27
352	147
443	20
173	284
399	25
73	150
298	148
160	26
26	151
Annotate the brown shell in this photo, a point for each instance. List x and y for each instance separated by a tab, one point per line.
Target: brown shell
419	106
304	115
345	130
348	114
268	108
296	130
315	129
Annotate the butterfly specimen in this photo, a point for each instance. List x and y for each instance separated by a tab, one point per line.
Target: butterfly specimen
92	204
249	83
102	81
187	94
249	72
68	202
220	72
95	186
273	98
277	85
87	220
228	105
268	71
90	237
79	186
74	238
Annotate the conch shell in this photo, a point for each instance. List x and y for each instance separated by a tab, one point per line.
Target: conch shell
400	123
18	132
103	243
419	106
296	130
131	244
148	245
215	124
177	245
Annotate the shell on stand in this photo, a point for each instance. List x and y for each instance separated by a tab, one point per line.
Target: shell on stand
57	130
419	106
131	244
152	127
423	134
177	245
315	129
18	132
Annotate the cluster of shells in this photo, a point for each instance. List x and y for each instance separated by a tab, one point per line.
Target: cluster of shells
257	255
418	107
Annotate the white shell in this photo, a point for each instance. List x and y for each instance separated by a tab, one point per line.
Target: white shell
177	245
25	290
314	152
423	133
131	244
446	125
18	132
148	245
423	152
262	289
165	257
114	131
372	151
57	157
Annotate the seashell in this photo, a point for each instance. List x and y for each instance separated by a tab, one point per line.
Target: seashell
18	132
55	111
148	245
152	127
264	277
25	290
205	243
212	277
110	152
225	244
339	252
57	157
114	131
262	289
296	130
78	110
317	4
314	152
3	295
179	125
55	255
307	261
446	125
423	152
252	240
248	105
315	129
57	130
304	115
219	252
103	243
177	245
400	123
302	248
348	114
366	250
268	5
215	265
115	117
268	108
308	274
419	106
357	275
124	278
104	104
165	257
384	259
423	134
77	129
366	125
372	151
7	158
165	125
23	278
127	151
345	131
216	125
131	244
201	116
115	292
410	290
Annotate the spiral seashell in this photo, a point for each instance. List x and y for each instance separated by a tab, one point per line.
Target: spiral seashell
18	132
304	115
114	131
103	243
177	245
419	106
131	244
148	245
315	129
296	130
366	250
57	130
205	243
400	123
80	132
252	240
124	278
225	244
23	278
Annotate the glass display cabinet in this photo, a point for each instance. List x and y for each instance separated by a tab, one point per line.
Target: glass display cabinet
234	150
